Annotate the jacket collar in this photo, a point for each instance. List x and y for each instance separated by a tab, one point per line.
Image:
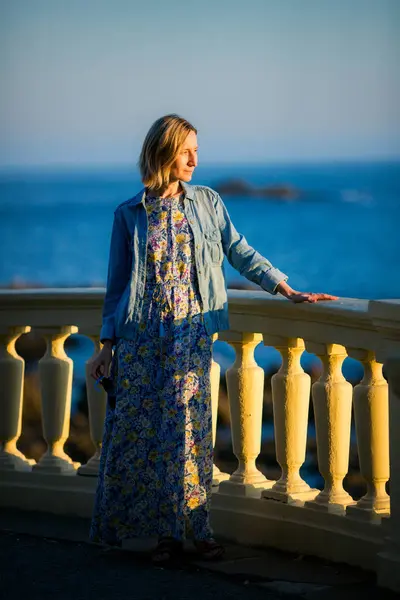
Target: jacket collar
187	188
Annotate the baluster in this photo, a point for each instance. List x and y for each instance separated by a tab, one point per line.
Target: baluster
389	557
245	383
55	372
291	398
97	405
12	368
371	412
218	476
385	316
332	399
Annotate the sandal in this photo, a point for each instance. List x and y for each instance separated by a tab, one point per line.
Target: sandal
166	550
209	549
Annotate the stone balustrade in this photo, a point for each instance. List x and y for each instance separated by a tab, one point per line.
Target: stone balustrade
247	507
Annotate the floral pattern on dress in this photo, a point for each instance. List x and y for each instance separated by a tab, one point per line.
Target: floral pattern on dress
157	456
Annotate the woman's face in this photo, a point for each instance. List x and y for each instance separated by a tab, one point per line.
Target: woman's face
186	161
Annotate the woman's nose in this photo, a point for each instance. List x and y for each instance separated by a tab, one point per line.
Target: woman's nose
193	159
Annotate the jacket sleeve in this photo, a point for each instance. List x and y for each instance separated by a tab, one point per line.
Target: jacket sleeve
118	275
245	259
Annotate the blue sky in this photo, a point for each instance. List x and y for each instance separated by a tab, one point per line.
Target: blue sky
262	80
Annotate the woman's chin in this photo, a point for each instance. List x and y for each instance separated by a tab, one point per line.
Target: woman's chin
187	176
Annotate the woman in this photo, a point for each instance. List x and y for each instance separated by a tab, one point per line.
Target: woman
165	297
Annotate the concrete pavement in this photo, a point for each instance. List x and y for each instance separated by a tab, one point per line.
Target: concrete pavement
48	556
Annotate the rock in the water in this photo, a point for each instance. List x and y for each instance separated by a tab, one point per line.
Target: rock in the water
238	187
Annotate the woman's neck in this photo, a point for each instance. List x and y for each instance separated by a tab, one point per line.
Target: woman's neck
172	189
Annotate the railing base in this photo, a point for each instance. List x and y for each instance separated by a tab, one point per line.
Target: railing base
46	492
243	490
366	515
290	497
13	462
325	503
55	465
91	468
294	528
218	476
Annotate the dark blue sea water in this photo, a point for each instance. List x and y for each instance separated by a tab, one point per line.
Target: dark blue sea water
341	236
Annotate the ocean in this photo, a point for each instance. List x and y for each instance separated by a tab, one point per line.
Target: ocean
340	236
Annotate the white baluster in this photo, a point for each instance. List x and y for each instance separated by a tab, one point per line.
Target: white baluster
55	372
332	400
12	368
97	404
389	558
385	316
291	398
215	375
371	411
245	383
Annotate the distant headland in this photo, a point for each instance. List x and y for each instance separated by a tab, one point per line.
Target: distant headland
238	187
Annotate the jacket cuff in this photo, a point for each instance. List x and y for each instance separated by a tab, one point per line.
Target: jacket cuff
107	331
271	279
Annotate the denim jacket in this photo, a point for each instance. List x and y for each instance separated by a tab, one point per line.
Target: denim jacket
214	236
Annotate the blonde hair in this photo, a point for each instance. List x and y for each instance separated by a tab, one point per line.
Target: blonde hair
160	149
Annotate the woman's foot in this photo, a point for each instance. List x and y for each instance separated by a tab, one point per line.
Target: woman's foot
166	550
209	549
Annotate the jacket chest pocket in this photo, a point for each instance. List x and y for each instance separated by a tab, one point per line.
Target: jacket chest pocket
213	246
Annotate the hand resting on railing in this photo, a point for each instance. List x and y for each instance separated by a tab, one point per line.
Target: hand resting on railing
297	297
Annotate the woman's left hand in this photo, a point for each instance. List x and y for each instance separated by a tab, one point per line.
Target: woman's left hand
294	296
310	297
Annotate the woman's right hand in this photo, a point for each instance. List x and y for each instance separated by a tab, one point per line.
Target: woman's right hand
101	364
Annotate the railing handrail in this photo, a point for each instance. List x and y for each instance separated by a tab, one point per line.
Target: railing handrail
28	295
260	302
336	321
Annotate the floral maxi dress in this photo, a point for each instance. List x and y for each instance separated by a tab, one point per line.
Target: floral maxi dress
156	463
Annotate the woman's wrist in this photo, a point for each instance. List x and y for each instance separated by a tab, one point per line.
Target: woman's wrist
108	344
285	289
